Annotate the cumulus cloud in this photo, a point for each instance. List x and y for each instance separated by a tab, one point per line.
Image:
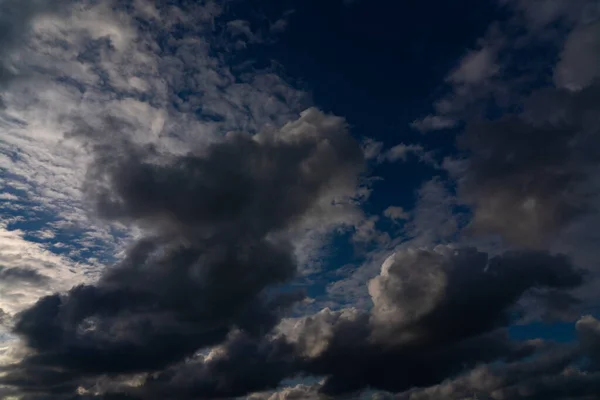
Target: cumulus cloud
429	318
215	244
436	313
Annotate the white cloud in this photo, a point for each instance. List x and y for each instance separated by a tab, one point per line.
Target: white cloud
18	253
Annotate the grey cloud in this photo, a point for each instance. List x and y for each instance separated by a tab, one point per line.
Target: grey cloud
578	66
435	218
527	174
514	380
298	392
240	28
499	72
475	67
588	329
395	213
373	150
437	313
22	275
542	14
450	279
433	123
401	152
214	252
434	313
471	83
5	318
240	366
559	372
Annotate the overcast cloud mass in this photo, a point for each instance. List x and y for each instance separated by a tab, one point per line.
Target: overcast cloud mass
299	200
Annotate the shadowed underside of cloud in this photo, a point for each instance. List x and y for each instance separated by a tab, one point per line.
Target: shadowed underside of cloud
437	313
557	374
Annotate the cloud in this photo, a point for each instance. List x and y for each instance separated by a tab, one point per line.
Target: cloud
433	123
435	219
542	14
29	271
470	84
373	150
436	313
298	392
520	379
16	19
528	174
588	329
578	66
214	247
555	374
499	71
401	151
99	60
395	213
475	67
16	275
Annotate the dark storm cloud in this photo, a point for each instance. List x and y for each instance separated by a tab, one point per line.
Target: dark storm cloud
213	253
441	296
527	175
241	186
436	314
241	366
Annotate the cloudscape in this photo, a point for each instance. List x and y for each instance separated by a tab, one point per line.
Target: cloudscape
299	199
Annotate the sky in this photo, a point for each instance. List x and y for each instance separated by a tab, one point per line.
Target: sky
299	199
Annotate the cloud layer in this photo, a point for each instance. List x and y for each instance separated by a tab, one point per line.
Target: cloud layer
171	211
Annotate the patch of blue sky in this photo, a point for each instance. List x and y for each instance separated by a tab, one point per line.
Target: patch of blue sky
40	224
562	332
